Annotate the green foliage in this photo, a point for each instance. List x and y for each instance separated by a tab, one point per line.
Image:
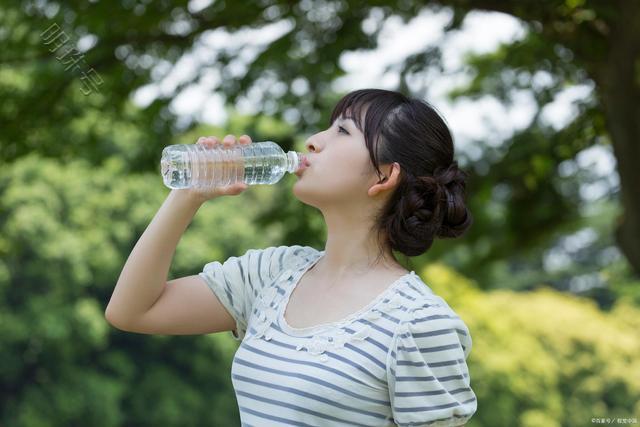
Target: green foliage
545	358
67	229
79	184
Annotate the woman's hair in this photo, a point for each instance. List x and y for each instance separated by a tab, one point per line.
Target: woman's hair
429	200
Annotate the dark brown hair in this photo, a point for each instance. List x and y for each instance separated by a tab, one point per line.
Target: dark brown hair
428	202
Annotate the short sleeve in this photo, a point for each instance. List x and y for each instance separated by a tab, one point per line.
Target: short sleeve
428	378
238	280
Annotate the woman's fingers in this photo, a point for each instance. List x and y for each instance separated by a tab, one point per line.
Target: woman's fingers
208	141
229	140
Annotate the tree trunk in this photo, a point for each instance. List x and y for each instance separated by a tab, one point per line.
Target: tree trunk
619	88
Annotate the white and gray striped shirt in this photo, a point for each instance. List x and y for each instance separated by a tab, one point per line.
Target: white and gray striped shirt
401	359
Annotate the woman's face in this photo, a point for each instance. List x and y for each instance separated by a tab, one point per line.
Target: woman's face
341	171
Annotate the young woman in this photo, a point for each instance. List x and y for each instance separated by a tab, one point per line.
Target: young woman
342	336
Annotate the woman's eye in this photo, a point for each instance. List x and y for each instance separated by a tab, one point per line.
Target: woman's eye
341	129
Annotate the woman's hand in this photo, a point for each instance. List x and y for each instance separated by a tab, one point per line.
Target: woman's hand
203	194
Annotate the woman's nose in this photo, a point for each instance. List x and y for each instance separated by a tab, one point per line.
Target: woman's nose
311	145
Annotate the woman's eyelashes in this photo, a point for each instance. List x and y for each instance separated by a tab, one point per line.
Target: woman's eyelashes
341	129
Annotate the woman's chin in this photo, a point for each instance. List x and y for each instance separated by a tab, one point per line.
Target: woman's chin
297	185
301	192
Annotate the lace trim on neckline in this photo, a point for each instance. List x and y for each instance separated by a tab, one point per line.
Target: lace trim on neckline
371	306
319	338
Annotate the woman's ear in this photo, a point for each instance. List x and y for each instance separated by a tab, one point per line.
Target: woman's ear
388	182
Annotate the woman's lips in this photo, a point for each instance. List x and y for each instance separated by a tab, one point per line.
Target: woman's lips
304	164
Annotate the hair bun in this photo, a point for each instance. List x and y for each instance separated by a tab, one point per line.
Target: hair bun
438	203
450	174
446	177
441	184
457	218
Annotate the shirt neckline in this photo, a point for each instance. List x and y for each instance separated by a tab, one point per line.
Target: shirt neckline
310	330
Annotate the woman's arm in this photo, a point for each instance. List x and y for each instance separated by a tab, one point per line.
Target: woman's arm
144	275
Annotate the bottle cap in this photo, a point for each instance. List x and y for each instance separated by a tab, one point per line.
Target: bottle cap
297	161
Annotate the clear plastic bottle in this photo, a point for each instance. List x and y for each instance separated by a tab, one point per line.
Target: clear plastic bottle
194	165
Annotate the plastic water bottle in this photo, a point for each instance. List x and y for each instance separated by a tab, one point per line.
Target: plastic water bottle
193	165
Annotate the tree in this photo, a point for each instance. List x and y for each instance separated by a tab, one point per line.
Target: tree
575	41
578	41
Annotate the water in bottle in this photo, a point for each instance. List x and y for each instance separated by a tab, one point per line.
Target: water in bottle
194	165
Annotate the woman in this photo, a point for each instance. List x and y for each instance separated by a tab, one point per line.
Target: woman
340	336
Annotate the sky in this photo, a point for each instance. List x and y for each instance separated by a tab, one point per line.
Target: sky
483	119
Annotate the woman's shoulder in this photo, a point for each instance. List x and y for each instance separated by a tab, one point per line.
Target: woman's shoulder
422	302
418	293
289	257
426	313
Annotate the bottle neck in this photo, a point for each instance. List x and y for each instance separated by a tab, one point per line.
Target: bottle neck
293	161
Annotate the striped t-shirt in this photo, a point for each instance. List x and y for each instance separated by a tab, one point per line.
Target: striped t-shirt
400	360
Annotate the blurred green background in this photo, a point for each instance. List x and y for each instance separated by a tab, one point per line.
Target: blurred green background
547	279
